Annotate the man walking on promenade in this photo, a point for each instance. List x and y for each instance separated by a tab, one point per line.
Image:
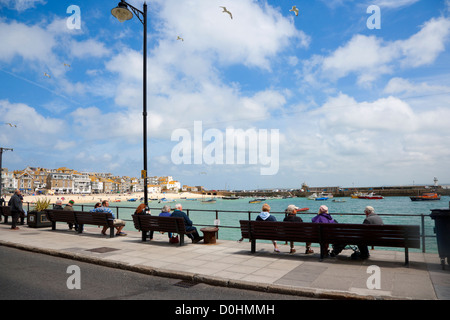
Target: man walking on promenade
16	208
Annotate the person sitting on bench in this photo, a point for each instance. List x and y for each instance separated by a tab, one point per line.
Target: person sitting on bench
194	236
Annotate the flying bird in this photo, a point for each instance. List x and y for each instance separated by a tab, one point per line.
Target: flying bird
47	75
225	10
295	10
67	65
179	38
11	125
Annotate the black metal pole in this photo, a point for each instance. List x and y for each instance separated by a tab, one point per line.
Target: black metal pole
144	113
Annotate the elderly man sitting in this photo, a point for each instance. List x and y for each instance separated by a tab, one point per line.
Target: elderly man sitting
195	237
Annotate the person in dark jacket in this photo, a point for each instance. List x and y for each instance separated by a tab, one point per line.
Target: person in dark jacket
195	237
291	216
16	209
58	205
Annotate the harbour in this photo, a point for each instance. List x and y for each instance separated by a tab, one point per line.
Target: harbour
226	213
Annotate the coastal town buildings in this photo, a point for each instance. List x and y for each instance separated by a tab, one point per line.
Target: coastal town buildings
68	181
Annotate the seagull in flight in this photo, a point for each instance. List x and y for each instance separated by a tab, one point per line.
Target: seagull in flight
47	75
225	10
67	65
11	125
179	38
295	10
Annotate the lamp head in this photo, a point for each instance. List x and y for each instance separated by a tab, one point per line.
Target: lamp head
121	12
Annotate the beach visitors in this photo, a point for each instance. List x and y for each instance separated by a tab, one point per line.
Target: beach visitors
69	207
195	237
165	212
58	205
140	209
323	217
291	216
15	203
266	216
371	218
118	223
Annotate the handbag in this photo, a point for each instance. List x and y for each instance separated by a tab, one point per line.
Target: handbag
174	239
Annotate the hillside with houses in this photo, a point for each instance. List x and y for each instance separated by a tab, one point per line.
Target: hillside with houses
35	180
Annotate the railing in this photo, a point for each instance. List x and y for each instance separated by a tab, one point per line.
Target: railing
249	213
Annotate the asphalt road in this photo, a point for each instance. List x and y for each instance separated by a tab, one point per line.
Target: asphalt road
32	276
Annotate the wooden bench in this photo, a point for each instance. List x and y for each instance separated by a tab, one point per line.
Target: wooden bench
399	236
81	218
5	211
146	223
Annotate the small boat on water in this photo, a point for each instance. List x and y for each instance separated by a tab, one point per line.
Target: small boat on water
426	197
132	199
257	200
371	196
322	196
339	200
230	198
302	209
209	201
356	195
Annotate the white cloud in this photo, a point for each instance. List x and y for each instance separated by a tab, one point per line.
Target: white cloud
21	5
18	38
394	3
255	34
88	48
31	125
369	57
423	47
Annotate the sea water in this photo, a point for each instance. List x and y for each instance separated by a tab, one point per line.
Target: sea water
394	207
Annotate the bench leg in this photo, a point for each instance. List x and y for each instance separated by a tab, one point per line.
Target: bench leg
53	225
80	228
253	245
181	239
111	232
144	236
406	258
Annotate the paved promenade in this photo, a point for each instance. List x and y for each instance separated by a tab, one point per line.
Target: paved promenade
231	264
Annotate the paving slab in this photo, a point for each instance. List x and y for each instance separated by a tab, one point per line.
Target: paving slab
231	264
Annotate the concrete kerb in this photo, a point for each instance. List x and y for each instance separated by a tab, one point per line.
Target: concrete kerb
200	278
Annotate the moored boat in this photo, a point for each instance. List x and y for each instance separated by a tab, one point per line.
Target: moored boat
426	197
371	196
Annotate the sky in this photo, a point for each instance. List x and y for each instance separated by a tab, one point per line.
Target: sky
347	93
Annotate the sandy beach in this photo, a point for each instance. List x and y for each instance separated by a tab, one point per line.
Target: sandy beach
112	198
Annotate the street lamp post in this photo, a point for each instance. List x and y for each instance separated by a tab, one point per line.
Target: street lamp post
1	154
122	13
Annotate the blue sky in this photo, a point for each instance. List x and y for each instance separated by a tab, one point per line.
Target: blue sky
352	105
